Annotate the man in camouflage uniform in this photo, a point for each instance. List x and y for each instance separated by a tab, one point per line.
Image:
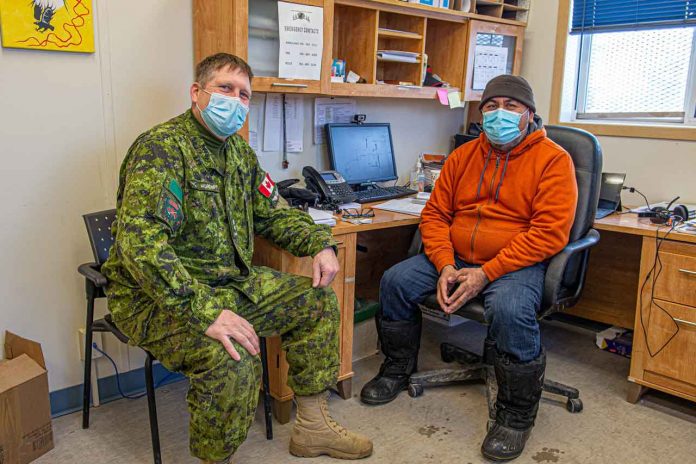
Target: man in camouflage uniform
181	285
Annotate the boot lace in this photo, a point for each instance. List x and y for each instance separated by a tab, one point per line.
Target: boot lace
342	431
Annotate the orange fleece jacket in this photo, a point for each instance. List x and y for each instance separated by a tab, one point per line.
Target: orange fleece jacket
507	213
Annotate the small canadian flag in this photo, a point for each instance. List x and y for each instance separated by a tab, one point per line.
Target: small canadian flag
267	186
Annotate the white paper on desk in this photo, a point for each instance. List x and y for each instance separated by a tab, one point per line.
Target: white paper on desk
322	217
328	110
489	62
402	205
352	205
301	35
255	112
294	123
272	121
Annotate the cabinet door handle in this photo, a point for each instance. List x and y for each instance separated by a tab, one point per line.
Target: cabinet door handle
686	271
693	324
286	84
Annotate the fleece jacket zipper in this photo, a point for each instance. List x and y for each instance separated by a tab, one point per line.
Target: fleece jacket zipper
478	210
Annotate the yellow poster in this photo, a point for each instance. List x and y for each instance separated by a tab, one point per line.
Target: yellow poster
63	25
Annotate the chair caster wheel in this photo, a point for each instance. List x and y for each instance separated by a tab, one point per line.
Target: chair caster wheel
415	390
446	354
574	405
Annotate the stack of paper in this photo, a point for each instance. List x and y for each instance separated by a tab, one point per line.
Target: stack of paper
396	55
402	205
689	227
322	217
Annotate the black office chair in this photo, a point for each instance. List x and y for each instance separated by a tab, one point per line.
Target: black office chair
100	237
565	278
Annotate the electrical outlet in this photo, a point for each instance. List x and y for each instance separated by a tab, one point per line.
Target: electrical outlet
96	338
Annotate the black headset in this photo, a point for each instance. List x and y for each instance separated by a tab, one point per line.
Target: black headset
662	215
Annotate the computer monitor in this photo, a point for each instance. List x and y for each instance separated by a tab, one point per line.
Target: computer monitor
610	192
362	153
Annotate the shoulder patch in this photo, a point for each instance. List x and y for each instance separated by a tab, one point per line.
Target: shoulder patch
175	188
267	186
169	210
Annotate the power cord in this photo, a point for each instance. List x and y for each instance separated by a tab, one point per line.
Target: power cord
118	376
655	272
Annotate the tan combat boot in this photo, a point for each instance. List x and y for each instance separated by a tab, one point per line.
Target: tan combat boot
316	432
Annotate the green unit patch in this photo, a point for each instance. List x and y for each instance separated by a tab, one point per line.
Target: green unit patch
175	188
170	210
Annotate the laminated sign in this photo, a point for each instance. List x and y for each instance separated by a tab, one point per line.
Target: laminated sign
301	34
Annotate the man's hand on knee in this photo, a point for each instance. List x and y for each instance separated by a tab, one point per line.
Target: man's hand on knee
471	282
324	268
230	325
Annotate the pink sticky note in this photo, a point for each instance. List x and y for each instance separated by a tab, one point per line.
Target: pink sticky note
442	96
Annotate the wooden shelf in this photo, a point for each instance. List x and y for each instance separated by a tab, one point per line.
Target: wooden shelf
343	89
417	9
399	34
419	60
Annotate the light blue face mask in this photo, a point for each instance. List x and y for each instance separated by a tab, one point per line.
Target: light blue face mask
224	115
502	126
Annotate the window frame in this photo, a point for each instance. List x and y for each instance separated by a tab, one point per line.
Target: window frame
640	128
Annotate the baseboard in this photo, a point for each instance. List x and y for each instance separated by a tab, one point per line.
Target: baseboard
69	400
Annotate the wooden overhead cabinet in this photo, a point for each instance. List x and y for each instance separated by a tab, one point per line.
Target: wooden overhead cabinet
505	39
355	31
249	29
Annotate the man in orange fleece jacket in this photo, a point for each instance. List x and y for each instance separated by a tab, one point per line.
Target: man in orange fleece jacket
503	205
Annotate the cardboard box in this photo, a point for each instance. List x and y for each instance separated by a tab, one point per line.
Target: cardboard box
25	412
616	340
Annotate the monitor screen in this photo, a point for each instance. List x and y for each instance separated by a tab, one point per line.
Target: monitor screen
612	184
362	153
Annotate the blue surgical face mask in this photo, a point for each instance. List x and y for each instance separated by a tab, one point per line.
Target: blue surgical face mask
502	126
224	115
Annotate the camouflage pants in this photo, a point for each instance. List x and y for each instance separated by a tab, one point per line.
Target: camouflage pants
223	393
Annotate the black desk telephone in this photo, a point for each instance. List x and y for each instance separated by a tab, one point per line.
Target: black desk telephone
330	185
324	189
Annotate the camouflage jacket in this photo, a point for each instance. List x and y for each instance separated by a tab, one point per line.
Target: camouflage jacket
186	220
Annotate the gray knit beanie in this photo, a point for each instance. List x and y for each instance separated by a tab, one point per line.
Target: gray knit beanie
507	85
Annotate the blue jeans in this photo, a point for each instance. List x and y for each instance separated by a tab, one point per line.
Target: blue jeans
511	302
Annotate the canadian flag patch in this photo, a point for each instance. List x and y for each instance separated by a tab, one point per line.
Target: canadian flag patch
267	186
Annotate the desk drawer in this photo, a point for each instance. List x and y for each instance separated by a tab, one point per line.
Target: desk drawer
677	281
671	330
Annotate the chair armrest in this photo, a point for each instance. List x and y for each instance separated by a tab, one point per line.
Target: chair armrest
91	272
557	268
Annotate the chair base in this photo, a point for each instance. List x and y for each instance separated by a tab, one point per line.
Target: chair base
474	367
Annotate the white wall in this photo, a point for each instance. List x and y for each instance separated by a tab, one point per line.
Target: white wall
66	121
417	126
661	169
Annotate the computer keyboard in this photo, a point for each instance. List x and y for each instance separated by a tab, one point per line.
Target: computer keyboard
382	193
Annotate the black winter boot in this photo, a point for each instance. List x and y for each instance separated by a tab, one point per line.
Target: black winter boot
400	341
519	392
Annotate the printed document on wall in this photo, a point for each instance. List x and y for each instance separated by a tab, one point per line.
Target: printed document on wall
294	123
301	35
272	122
489	62
255	112
328	110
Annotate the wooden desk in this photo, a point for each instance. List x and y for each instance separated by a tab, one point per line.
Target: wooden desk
618	266
619	292
344	285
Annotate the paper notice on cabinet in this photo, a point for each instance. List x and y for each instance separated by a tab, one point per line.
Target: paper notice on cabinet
328	110
255	112
272	122
489	62
294	123
301	35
